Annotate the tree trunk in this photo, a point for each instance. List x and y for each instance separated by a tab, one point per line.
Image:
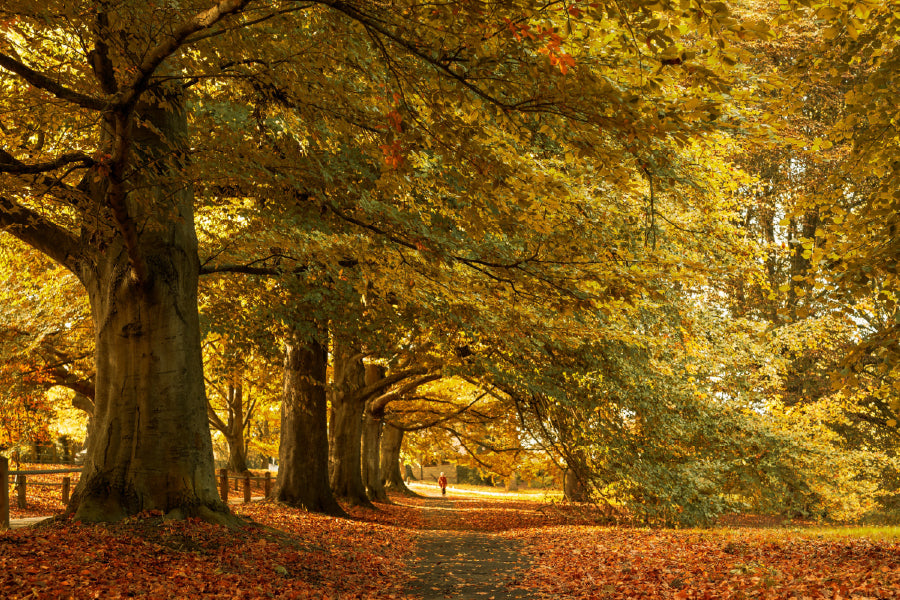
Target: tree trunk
303	453
371	454
371	444
391	475
331	443
573	487
346	426
512	482
234	436
237	453
86	404
150	447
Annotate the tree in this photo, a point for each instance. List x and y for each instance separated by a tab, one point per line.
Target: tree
45	341
856	249
345	428
393	478
387	388
303	478
126	231
101	167
239	389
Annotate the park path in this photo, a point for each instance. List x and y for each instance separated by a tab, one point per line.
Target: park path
453	563
20	523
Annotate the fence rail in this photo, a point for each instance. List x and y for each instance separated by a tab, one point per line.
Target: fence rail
22	482
45	472
246	478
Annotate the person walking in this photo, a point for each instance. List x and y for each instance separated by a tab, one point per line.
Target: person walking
442	481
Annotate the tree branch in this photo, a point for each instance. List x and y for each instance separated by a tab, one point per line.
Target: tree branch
462	441
214	418
99	56
10	164
473	263
383	384
377	405
82	387
248	417
410	47
442	418
41	233
84	403
121	115
155	57
41	81
251	270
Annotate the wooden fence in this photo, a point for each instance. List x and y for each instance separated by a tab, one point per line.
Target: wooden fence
246	484
22	482
246	480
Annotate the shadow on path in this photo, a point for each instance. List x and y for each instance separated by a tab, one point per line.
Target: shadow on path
464	564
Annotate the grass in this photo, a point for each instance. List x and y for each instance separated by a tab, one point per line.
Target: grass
872	532
538	495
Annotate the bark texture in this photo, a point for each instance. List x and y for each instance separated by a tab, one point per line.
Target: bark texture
371	443
391	474
371	459
303	454
346	425
150	445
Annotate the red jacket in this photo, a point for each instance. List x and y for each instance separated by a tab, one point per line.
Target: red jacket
442	481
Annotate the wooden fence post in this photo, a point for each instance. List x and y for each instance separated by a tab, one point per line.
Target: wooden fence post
223	484
21	486
268	484
247	493
67	482
4	493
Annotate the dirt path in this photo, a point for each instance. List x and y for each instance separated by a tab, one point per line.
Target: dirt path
453	563
20	523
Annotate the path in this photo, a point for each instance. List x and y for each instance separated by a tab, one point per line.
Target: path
20	523
465	565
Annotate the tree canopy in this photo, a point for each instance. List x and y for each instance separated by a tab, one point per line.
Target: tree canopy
655	240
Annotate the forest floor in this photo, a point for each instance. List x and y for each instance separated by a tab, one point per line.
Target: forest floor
468	546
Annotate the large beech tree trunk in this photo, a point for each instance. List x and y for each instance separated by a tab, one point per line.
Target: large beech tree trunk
391	475
346	424
371	444
150	445
303	454
371	459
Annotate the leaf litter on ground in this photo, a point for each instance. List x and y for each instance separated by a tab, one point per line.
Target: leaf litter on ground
288	553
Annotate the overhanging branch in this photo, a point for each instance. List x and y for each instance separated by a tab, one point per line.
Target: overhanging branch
41	81
377	406
382	384
199	22
40	233
9	164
